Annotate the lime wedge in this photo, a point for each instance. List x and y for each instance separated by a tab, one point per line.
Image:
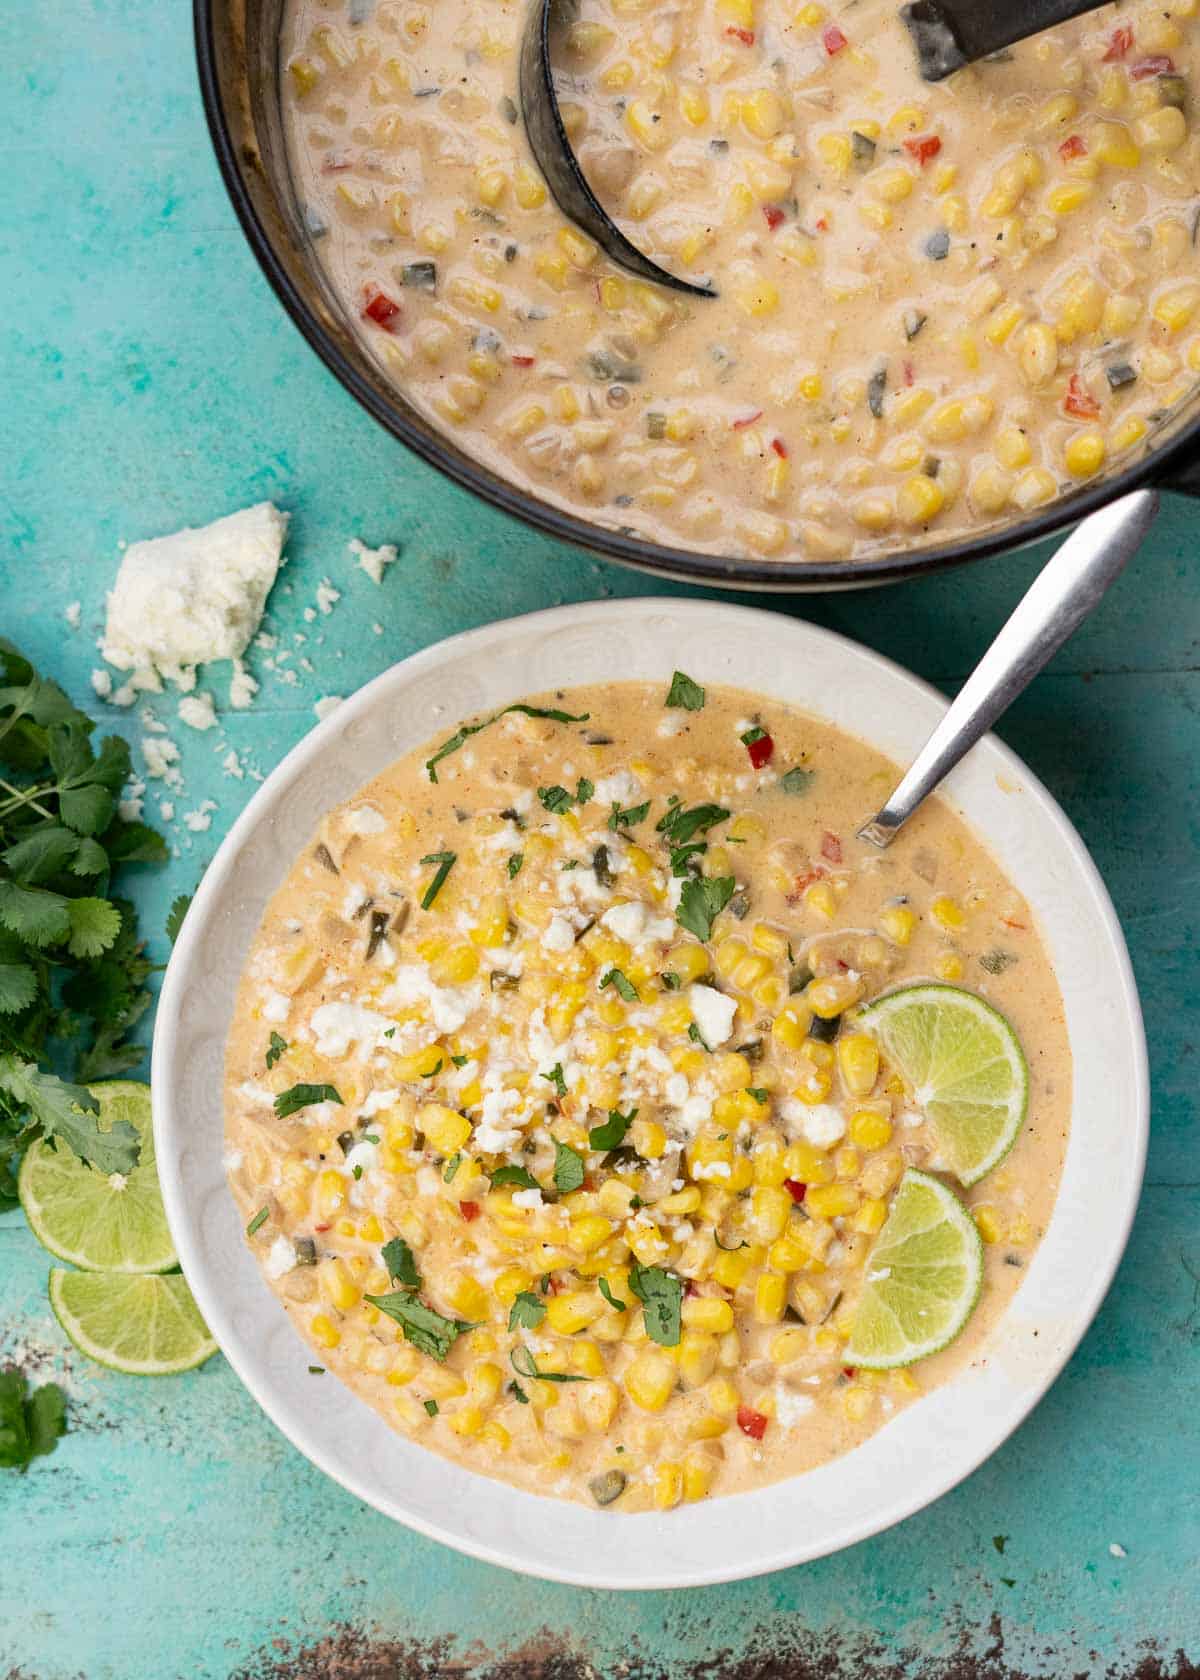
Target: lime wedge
114	1224
922	1280
965	1067
148	1325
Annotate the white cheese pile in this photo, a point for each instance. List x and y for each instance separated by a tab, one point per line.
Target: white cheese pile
183	600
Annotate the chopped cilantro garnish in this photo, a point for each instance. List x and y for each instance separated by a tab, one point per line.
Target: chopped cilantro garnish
684	693
681	859
260	1218
460	1061
608	1295
516	859
297	1097
751	735
275	1049
518	1394
627	989
445	862
627	816
584	790
431	1406
611	1133
670	980
520	1176
527	1311
661	1295
427	1330
452	1166
555	1076
697	1037
316	1370
401	1263
434	1071
555	798
30	1423
758	1092
544	1283
796	780
468	729
569	1171
358	1172
701	902
681	824
525	1365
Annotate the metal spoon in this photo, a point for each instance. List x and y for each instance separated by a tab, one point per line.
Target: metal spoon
951	33
1057	602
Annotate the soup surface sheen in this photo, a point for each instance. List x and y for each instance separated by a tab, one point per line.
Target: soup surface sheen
940	305
496	1063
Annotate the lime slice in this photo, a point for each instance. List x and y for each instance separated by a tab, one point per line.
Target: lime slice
923	1278
965	1067
114	1224
148	1326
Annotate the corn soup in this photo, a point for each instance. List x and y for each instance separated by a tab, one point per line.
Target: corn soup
939	305
551	1109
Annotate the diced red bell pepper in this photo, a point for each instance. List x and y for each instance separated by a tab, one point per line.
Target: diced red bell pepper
774	215
752	1423
780	448
803	882
1119	44
760	751
1072	147
833	40
831	847
469	1210
795	1189
924	147
745	36
523	361
1079	401
1158	65
380	308
746	420
849	1370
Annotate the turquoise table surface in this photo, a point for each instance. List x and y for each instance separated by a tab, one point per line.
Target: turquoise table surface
150	380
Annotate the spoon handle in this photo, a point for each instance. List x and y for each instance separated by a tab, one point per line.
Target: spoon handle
1058	600
950	33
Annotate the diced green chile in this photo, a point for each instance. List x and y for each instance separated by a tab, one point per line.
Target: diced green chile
607	1488
421	275
876	386
824	1031
1120	373
937	246
306	1251
862	149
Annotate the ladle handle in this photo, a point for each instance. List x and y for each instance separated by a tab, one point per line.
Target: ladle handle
1060	598
951	33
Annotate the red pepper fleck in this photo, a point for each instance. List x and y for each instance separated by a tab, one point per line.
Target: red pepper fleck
745	36
1079	401
1072	147
752	1423
924	147
1020	925
802	882
831	847
1119	44
523	361
780	448
822	224
849	1370
746	420
795	1189
1158	65
909	372
833	40
760	751
321	1227
469	1210
380	308
774	215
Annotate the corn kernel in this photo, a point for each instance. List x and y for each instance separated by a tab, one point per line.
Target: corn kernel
1084	453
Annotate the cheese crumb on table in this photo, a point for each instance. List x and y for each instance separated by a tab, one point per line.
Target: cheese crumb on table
182	600
374	561
197	711
73	613
326	704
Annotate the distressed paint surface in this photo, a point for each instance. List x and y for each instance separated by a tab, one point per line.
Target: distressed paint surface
150	381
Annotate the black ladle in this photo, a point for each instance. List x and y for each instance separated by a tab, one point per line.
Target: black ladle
947	34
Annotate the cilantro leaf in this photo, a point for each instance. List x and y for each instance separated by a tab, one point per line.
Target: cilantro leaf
605	1290
18	987
468	729
520	1176
30	1424
516	859
661	1295
610	1134
555	798
555	1076
629	816
62	1111
43	853
297	1097
525	1365
527	1312
95	924
625	987
569	1169
134	842
275	1048
427	1330
681	825
701	902
684	693
179	909
584	789
796	780
401	1263
445	862
38	917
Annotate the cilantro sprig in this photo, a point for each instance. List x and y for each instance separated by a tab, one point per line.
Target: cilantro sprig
30	1424
468	729
72	969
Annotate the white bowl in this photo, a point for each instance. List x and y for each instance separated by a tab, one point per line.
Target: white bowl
926	1448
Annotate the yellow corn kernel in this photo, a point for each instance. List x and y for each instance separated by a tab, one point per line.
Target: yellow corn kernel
770	1207
787	1346
459	965
330	1193
891	185
898	922
667	1488
990	489
949	966
756	295
948	913
870	1216
832	995
857	1402
572	1310
529	188
1129	431
650	1379
707	1312
828	1201
919	500
578	250
770	1297
1084	453
989	1223
1005	194
421	1064
509	1283
648	1139
693	106
869	1129
646	124
444	1129
324	1331
763	113
836	151
1164	130
336	1285
1012	446
697	1478
466	1295
1174	309
731	1266
1069	196
858	1062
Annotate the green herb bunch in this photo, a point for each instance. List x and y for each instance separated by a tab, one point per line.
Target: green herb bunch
72	970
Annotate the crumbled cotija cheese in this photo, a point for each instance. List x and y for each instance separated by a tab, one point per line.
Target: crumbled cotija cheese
182	600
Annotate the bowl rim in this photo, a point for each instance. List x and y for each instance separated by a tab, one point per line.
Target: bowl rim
641	553
170	1124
